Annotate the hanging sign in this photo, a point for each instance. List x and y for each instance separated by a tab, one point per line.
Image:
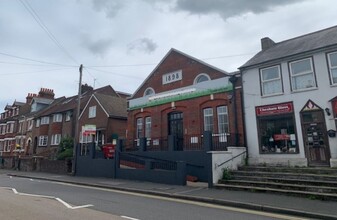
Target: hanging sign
89	129
281	108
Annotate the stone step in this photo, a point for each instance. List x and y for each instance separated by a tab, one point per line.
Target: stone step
310	195
283	169
286	175
283	186
285	180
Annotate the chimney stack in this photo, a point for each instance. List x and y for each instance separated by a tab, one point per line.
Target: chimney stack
46	93
267	43
29	97
86	88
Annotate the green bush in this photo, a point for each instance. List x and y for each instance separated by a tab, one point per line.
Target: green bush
68	153
65	148
226	175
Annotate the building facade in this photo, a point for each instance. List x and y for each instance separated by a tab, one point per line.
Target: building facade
184	97
289	96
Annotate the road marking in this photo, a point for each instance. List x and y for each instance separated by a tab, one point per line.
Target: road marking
48	197
127	217
202	204
72	207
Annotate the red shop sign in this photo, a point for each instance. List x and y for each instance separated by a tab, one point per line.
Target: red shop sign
280	108
334	104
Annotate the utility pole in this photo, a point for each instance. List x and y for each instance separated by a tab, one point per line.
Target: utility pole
76	138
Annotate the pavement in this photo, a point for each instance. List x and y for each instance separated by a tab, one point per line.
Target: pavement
274	203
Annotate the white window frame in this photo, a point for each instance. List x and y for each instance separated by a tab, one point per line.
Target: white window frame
222	111
68	115
139	127
149	91
57	117
208	119
201	75
45	120
148	127
92	111
332	68
55	139
43	140
301	74
38	122
264	82
30	124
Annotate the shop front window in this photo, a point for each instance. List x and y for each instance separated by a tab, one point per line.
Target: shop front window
276	129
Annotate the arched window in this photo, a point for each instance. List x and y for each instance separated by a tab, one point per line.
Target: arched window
149	91
202	77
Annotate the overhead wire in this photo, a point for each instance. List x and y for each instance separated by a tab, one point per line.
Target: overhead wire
34	60
39	21
39	71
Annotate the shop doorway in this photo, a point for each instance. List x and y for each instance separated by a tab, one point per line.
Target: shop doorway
175	122
315	135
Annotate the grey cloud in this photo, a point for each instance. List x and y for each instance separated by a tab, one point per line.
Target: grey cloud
226	8
98	47
109	7
143	44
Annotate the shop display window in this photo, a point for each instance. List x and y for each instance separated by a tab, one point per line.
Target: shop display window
277	134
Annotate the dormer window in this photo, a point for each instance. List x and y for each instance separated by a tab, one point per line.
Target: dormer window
149	91
203	77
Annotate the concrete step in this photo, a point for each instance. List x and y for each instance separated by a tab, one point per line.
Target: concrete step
283	186
286	180
283	169
310	195
286	175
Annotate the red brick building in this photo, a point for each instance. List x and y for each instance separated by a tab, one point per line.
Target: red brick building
184	97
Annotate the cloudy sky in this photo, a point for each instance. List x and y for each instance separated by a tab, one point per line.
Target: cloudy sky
119	42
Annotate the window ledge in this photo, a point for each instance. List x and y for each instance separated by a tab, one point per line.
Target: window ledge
272	95
305	90
333	85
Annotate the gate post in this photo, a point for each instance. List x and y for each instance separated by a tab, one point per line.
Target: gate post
181	173
172	142
143	144
207	141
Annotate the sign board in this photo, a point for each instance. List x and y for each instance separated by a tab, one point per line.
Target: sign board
334	106
172	77
281	108
89	129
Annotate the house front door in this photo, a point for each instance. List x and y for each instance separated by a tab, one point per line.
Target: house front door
315	138
175	122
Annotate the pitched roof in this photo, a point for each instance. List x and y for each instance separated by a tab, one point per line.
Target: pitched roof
164	58
303	44
70	103
114	106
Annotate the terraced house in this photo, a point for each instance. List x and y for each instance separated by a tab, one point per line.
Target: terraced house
290	90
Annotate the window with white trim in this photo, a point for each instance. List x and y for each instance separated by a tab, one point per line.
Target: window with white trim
332	57
68	115
43	140
148	127
57	118
208	119
302	75
149	91
139	129
271	82
223	126
30	124
92	111
38	122
202	77
55	139
45	120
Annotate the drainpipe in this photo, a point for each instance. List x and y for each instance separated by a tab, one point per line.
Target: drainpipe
233	79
